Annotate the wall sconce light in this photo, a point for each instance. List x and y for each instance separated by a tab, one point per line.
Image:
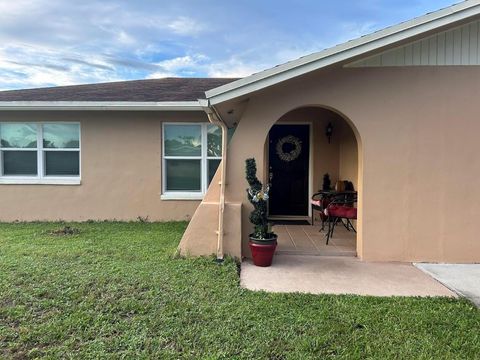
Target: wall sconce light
329	131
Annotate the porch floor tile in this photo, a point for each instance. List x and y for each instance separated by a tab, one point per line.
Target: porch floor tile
308	240
340	275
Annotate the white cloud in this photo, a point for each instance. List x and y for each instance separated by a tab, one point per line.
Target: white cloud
189	65
160	75
233	67
182	62
39	67
125	38
186	26
17	7
201	65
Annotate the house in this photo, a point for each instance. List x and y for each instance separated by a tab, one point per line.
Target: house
402	104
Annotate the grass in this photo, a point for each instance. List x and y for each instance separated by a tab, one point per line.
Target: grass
115	290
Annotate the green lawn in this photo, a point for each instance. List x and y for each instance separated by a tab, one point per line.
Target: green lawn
116	289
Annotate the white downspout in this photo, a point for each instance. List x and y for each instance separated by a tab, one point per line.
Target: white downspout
223	176
215	118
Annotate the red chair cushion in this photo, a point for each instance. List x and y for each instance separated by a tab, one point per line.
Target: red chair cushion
340	211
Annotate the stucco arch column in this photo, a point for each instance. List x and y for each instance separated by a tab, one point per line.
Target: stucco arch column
249	141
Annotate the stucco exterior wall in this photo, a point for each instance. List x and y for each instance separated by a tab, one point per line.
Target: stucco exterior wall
348	155
120	167
417	131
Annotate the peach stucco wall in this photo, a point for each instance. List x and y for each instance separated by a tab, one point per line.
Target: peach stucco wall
348	155
120	166
417	130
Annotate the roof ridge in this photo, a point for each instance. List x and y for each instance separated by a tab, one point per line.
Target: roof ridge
121	82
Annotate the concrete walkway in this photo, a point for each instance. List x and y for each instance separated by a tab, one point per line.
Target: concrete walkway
464	279
340	275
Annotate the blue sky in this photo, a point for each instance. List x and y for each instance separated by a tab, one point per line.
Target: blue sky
63	42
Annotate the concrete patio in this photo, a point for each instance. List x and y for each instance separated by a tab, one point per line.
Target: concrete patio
340	275
308	240
464	279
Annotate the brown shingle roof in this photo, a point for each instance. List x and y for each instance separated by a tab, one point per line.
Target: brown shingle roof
166	89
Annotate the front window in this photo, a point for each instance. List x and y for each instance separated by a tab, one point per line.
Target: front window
191	156
39	153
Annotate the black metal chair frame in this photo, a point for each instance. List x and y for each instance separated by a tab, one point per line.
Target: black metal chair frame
320	196
346	198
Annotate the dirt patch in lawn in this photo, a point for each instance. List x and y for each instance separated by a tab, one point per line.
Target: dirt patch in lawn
65	231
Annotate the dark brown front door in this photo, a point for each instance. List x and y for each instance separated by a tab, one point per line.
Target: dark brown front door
289	149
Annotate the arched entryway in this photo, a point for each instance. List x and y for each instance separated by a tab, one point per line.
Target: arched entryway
302	147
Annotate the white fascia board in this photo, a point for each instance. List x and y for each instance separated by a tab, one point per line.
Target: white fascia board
346	51
101	105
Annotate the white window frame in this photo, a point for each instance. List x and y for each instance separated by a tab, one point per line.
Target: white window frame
204	158
41	178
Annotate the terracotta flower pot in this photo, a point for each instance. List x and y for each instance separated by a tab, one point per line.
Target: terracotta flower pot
263	250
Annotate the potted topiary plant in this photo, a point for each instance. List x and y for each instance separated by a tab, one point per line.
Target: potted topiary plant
263	241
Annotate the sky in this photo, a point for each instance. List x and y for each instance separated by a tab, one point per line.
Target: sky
67	42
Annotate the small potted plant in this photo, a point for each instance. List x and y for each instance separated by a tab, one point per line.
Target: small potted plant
327	183
263	241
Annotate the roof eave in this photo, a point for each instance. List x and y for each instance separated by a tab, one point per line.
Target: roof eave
101	105
344	52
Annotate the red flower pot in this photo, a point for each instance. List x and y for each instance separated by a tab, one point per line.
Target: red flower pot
263	251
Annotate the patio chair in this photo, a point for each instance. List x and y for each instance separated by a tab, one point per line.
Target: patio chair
341	207
319	202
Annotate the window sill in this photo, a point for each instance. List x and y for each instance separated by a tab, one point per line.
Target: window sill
182	196
46	181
